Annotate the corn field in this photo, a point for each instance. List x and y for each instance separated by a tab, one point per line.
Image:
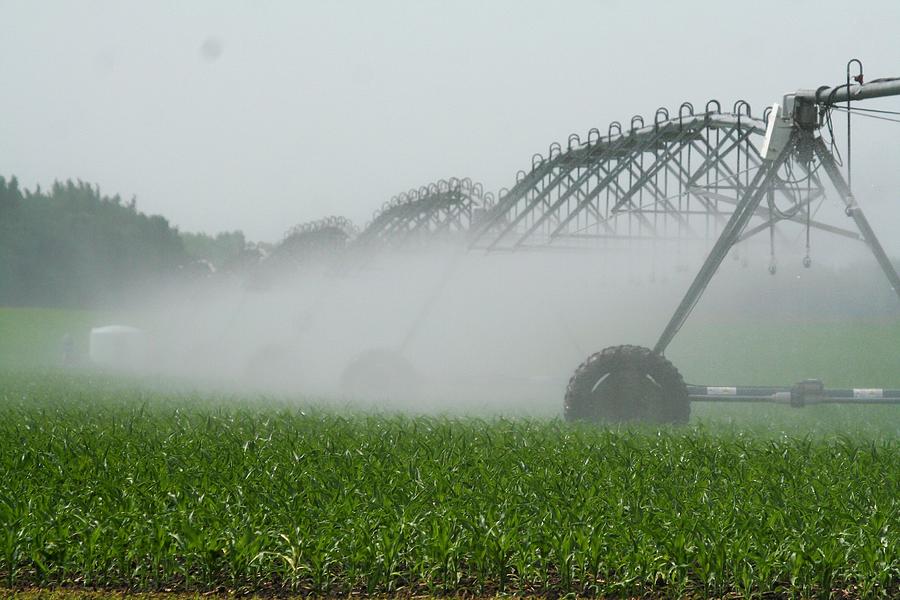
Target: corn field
108	485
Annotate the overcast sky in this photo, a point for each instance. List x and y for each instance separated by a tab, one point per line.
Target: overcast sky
258	115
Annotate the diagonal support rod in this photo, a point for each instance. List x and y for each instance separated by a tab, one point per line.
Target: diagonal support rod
742	214
854	211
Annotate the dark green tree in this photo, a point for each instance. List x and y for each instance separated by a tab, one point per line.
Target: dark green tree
73	246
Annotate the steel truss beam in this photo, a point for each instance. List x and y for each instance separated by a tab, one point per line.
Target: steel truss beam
634	185
444	207
313	240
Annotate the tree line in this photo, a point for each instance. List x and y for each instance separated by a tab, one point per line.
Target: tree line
72	246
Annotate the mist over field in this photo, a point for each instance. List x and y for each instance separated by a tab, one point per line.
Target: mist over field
247	121
489	333
502	329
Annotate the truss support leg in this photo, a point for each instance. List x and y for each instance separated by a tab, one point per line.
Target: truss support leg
745	209
854	211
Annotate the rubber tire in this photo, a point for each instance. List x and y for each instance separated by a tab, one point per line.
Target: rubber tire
627	383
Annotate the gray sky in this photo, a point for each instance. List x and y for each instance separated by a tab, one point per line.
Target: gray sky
258	115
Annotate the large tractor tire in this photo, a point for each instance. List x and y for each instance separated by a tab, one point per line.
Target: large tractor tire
627	383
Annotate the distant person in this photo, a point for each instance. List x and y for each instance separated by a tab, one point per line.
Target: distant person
68	350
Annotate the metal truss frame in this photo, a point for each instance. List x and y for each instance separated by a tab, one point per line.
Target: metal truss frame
446	207
803	144
323	236
679	178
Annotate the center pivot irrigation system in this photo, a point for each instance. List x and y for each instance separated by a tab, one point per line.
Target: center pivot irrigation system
707	175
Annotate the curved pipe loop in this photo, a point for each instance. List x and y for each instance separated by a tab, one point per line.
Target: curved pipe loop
520	175
636	119
741	107
618	127
554	150
766	113
718	106
591	139
576	138
536	161
662	110
690	109
859	75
